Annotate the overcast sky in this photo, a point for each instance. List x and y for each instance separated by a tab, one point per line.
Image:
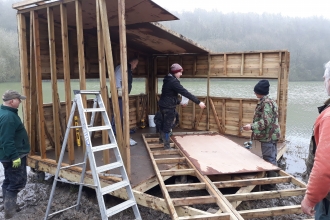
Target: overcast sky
292	8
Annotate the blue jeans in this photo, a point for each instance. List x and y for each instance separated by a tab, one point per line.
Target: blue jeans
269	152
322	210
15	178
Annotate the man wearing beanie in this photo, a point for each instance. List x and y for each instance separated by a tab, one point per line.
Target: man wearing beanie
265	127
169	100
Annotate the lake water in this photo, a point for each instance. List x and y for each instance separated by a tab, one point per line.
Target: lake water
303	100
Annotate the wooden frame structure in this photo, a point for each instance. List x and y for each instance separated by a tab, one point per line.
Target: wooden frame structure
227	203
85	39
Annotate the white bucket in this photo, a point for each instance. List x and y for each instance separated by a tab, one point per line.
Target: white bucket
151	121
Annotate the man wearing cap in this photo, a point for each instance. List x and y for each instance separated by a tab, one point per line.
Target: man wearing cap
265	127
14	146
169	100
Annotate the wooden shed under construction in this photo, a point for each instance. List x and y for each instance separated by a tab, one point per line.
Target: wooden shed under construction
66	40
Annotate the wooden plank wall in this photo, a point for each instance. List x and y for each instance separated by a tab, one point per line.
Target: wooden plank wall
230	114
137	111
91	54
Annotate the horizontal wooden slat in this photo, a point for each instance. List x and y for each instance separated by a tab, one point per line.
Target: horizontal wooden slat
159	145
177	172
260	213
222	216
165	152
265	195
170	160
259	181
185	187
193	200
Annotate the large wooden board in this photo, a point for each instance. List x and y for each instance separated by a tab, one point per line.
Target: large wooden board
214	154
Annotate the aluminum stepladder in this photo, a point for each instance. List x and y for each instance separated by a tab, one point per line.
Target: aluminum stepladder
98	106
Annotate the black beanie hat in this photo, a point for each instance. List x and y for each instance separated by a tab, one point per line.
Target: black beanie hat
262	87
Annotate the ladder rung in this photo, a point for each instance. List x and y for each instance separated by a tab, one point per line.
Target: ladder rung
73	165
92	92
108	167
103	147
75	183
114	187
99	128
54	213
94	110
120	207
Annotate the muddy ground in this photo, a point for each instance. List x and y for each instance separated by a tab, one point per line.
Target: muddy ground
34	199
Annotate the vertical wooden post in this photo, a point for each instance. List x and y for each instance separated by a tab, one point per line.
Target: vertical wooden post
53	73
41	119
153	79
81	55
103	80
67	77
223	115
33	95
208	92
225	64
284	89
260	64
123	59
240	124
242	65
111	73
25	75
80	44
195	65
279	80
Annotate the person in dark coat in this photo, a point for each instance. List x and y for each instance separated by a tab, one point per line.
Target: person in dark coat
169	100
14	146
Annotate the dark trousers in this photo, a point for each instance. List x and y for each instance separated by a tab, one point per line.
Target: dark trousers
15	178
120	103
322	210
269	152
168	116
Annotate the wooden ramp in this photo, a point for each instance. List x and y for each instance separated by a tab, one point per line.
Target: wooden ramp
180	160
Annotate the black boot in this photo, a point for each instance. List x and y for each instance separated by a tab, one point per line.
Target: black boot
160	138
270	187
166	140
10	204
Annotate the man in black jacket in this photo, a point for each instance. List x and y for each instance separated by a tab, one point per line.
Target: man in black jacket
169	100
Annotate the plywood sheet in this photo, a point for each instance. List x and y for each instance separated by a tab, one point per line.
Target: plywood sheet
214	154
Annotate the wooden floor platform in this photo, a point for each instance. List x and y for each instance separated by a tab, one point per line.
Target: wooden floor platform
144	176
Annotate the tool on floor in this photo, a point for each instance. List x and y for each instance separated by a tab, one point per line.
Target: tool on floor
98	106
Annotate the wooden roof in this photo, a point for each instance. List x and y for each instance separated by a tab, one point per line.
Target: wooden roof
154	38
137	11
142	32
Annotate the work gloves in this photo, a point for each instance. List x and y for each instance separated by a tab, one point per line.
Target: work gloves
120	92
17	163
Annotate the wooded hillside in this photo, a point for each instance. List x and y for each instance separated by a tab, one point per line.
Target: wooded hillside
306	38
